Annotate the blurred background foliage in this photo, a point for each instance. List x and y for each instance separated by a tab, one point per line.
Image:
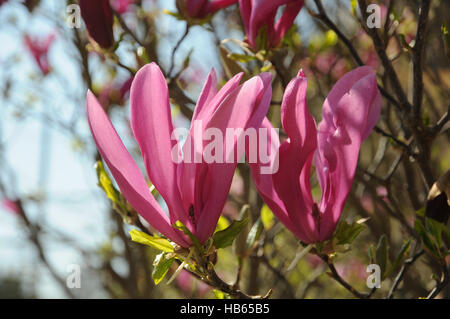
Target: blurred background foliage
58	216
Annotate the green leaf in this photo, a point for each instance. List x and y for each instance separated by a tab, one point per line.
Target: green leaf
255	232
152	241
187	60
267	217
119	203
435	228
346	233
427	241
241	57
446	38
106	184
224	238
221	295
174	14
431	235
262	37
354	3
180	226
240	242
230	66
446	232
381	254
421	212
161	266
292	38
143	55
267	66
403	250
372	254
222	223
331	38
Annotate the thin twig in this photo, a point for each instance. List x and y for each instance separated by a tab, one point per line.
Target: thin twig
396	140
127	29
34	238
335	275
279	275
417	58
443	282
380	49
406	265
441	123
327	21
175	49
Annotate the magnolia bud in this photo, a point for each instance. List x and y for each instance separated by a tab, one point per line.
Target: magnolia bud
438	200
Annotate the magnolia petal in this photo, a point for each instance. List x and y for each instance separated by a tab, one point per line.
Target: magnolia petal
215	5
214	101
245	6
208	92
263	13
152	127
189	171
292	180
349	113
285	22
244	108
125	171
264	182
194	7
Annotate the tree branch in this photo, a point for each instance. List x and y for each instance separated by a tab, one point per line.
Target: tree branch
335	275
417	58
398	279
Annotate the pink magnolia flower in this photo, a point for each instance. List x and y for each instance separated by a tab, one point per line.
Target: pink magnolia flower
121	6
114	92
198	9
39	48
12	206
190	286
259	16
99	21
330	63
352	270
195	193
349	113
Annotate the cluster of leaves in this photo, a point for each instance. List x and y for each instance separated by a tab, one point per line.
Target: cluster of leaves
433	235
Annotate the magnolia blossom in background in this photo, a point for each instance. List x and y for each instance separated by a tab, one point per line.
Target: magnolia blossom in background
195	193
114	92
190	285
349	113
352	269
259	20
330	63
199	9
11	205
39	48
98	17
121	6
